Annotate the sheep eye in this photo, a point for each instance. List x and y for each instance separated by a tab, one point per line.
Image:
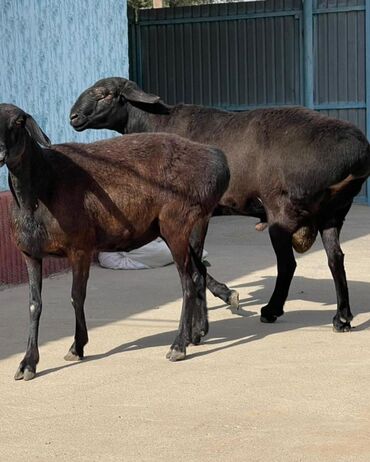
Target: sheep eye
106	98
19	122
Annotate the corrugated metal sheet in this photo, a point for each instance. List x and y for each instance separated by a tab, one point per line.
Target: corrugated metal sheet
340	77
225	55
52	50
356	116
339	57
242	55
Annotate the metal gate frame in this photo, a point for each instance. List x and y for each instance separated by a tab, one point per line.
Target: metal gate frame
306	17
308	56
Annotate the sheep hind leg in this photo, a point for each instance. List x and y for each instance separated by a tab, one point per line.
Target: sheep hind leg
229	296
80	273
27	367
193	288
282	243
200	319
330	238
218	289
200	316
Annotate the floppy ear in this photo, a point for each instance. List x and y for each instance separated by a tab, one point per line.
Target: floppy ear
35	131
136	95
144	101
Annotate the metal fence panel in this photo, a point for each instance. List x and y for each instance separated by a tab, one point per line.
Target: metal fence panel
226	55
339	70
240	56
340	57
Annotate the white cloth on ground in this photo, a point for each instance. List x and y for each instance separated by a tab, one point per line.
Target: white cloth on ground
152	255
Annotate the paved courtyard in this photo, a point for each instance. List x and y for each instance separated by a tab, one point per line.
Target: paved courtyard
292	391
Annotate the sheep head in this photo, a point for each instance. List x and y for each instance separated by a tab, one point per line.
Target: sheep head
15	127
104	104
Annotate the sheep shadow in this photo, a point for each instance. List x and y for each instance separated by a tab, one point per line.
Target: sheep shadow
245	327
305	289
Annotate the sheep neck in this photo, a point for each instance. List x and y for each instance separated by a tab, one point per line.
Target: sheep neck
141	121
22	179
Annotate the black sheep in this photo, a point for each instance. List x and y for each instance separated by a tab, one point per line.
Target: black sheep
303	167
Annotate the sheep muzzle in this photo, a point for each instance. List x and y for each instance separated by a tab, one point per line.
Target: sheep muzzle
3	156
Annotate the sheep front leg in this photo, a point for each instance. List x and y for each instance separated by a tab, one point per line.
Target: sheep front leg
80	272
27	367
183	337
330	238
281	240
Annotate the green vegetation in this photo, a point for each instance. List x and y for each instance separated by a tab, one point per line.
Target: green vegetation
138	4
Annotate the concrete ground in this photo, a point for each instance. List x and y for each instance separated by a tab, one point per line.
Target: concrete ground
292	391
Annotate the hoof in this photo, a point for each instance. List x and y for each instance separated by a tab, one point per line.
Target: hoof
268	316
26	374
342	324
19	374
72	357
233	300
268	319
197	338
342	327
199	330
198	334
175	355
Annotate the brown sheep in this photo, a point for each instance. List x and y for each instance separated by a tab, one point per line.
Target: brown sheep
118	194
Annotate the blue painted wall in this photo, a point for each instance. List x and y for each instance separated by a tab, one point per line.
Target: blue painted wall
51	50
